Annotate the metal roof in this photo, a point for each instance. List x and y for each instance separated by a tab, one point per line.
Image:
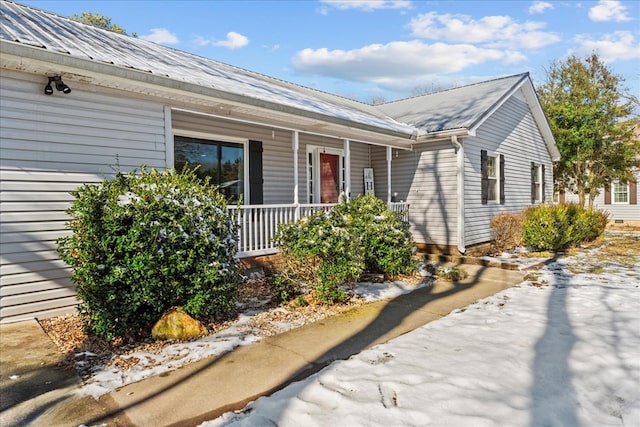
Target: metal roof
41	29
458	108
56	40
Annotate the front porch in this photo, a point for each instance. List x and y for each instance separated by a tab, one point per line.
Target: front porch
258	224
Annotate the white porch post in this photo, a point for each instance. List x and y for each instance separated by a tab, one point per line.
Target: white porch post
168	139
347	168
295	145
389	155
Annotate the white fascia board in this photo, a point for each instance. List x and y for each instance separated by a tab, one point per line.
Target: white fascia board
497	105
541	120
536	109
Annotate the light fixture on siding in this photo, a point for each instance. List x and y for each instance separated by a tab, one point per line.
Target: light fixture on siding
59	84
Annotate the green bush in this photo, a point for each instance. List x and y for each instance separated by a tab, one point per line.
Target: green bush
333	248
387	241
589	224
320	250
142	244
556	227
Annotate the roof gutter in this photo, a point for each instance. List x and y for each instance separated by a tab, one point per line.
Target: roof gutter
69	63
444	135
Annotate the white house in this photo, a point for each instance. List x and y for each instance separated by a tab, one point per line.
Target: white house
619	198
76	100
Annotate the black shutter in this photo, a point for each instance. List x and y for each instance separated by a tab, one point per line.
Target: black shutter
255	173
542	196
502	198
633	192
485	177
533	183
607	194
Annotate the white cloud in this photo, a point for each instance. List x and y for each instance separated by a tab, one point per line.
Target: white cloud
233	41
397	61
617	46
495	31
161	36
201	41
367	5
539	7
609	10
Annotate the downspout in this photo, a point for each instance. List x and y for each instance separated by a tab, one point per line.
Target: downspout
460	192
347	168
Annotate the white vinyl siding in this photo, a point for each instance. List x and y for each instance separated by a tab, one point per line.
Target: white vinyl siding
426	179
277	154
50	145
617	211
512	132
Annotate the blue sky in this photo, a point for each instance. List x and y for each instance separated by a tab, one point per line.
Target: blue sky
374	50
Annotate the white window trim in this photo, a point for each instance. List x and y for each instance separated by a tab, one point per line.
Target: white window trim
496	156
613	194
221	138
538	167
313	173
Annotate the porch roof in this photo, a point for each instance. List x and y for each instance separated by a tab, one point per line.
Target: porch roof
42	34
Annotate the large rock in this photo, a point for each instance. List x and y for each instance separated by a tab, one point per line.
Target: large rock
177	324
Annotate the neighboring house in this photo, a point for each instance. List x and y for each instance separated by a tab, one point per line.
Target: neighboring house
620	199
457	156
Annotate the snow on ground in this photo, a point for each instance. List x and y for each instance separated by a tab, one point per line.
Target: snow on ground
561	349
169	358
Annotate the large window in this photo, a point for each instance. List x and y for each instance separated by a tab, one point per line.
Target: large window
224	162
620	192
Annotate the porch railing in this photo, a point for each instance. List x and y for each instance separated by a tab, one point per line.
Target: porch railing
258	224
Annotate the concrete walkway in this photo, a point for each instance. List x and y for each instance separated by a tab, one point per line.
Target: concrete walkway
206	389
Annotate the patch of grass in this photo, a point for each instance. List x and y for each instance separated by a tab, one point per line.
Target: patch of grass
539	254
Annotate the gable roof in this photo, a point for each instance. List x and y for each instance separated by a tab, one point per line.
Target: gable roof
457	108
464	109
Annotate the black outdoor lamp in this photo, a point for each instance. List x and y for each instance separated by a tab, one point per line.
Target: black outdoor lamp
60	85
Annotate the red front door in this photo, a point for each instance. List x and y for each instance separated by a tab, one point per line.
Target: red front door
329	178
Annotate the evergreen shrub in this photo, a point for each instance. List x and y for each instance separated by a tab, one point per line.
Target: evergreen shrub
329	249
557	227
143	243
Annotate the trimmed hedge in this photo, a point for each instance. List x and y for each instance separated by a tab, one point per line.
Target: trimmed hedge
557	227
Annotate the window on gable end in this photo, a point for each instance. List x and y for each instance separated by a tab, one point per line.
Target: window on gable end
492	172
537	183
